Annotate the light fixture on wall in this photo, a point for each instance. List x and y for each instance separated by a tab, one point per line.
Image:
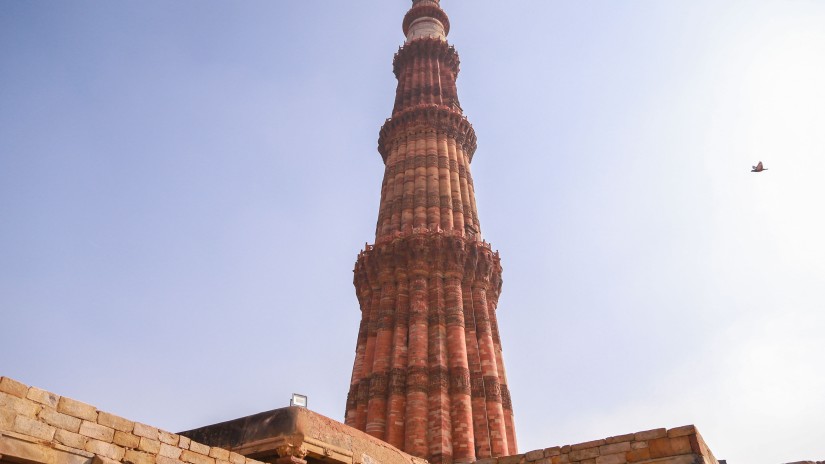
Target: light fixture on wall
298	400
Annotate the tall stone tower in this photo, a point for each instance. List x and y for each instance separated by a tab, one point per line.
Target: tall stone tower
428	376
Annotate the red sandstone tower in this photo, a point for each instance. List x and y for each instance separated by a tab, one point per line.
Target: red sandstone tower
428	376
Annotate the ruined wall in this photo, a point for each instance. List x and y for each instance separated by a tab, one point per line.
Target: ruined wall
42	427
680	445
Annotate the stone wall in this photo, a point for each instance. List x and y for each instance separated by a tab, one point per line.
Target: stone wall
42	427
680	445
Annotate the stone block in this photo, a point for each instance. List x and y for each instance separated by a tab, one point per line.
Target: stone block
619	438
680	445
97	431
183	442
147	431
560	459
149	445
195	458
642	454
582	454
565	449
105	449
137	457
665	447
487	461
615	458
59	420
18	405
219	453
126	440
554	451
115	422
615	448
103	460
587	444
165	460
7	418
72	450
33	428
199	448
43	397
168	437
169	451
77	409
13	387
514	459
236	458
638	444
650	434
681	431
534	455
74	440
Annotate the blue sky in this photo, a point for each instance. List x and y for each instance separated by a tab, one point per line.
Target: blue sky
184	188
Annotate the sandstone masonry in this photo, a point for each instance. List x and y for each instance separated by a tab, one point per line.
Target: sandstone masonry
42	427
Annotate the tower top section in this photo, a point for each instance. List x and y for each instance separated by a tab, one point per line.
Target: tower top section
426	19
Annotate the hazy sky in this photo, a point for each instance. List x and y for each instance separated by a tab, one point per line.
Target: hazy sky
185	186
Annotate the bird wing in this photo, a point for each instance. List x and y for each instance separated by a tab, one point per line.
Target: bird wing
759	166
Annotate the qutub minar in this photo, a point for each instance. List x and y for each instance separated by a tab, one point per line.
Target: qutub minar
429	376
428	380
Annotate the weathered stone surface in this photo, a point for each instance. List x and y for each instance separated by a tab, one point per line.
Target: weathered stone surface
43	397
13	387
127	440
534	455
169	451
146	431
615	458
74	440
165	460
115	422
34	428
6	418
19	405
196	458
59	420
650	434
619	438
149	445
664	447
105	449
587	444
199	448
183	442
219	453
103	460
136	457
168	437
638	444
586	453
614	448
97	431
681	431
636	455
77	409
515	459
554	451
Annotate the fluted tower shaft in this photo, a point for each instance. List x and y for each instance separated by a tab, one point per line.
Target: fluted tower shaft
428	376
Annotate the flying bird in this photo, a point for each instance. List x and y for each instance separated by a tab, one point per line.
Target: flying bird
758	168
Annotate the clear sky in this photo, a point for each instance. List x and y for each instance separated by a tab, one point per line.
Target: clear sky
185	186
